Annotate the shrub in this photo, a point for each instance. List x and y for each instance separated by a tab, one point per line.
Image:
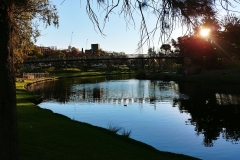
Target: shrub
141	74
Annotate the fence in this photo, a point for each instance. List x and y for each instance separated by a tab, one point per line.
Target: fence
34	75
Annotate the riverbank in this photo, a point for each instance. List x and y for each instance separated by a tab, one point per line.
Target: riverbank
47	135
202	78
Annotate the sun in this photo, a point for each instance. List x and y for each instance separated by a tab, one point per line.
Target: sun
204	32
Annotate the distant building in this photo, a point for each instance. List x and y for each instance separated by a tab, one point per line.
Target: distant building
70	48
95	48
88	51
46	51
73	52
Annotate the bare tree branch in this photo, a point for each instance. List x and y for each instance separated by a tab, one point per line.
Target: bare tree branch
169	14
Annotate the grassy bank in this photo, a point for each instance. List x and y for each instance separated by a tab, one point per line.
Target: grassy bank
47	135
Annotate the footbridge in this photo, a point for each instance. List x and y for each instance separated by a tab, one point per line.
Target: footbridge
95	61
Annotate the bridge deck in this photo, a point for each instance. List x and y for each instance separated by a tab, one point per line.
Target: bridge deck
99	59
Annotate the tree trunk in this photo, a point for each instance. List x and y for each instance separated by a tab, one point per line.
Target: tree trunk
8	115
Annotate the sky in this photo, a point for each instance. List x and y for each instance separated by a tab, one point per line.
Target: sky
76	29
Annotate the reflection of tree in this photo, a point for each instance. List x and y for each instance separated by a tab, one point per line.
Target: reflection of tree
208	117
152	94
96	93
62	92
51	91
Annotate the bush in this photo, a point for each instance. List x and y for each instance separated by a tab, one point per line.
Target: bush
141	74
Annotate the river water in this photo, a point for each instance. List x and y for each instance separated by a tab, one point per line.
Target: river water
200	120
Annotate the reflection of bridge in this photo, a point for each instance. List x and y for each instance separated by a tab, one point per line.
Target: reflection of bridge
137	62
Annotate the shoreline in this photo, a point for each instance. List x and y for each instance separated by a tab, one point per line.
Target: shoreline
26	139
203	78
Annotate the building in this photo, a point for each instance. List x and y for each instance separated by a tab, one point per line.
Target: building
70	48
88	51
46	51
95	48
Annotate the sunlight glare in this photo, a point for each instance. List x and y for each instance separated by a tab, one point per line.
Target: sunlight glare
205	32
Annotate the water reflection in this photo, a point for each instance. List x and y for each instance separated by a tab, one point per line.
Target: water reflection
213	110
214	113
123	91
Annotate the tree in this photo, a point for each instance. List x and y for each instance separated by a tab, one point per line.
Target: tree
231	28
196	48
151	52
13	14
220	45
26	30
101	52
168	14
8	118
176	46
166	47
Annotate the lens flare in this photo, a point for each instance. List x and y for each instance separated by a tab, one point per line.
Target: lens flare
205	32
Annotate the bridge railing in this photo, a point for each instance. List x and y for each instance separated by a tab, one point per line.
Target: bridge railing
76	58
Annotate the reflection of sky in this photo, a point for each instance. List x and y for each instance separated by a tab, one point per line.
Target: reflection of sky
127	90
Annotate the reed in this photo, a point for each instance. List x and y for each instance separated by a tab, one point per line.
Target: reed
126	133
113	128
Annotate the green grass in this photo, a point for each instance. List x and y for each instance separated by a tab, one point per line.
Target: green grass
47	135
74	72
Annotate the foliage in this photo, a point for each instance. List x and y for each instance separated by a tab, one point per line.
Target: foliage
166	48
27	18
231	28
151	52
220	46
168	14
141	74
101	52
196	48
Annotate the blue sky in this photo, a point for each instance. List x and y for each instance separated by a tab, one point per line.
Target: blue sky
74	19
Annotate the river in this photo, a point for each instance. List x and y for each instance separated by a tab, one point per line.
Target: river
200	120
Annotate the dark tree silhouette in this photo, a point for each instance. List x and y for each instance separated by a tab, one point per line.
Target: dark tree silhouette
218	48
8	118
12	23
166	47
169	14
231	25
